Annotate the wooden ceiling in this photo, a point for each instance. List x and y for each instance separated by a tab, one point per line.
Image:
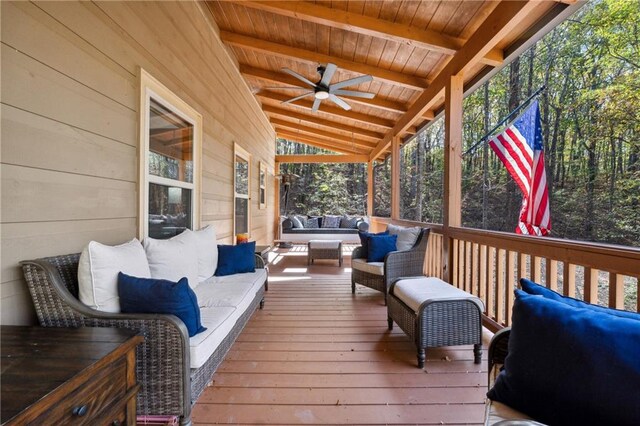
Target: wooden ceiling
411	48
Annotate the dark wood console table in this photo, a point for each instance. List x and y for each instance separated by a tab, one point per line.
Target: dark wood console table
68	376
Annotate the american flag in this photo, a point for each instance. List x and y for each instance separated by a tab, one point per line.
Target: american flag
520	149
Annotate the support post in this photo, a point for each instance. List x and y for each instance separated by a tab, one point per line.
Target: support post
370	188
395	178
452	168
276	201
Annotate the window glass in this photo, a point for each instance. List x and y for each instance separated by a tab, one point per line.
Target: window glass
170	144
169	210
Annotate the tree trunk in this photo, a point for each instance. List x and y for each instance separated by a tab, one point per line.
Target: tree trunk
485	158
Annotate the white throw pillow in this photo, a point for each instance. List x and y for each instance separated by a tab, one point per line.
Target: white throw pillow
207	252
174	258
407	237
98	272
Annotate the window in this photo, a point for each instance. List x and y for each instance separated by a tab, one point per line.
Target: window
241	188
170	141
263	185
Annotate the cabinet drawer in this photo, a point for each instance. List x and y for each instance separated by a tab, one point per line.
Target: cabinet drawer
90	398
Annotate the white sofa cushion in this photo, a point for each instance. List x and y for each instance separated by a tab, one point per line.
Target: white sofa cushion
238	290
407	237
376	268
98	272
414	291
207	247
229	290
174	258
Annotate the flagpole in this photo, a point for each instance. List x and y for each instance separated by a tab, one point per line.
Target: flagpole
504	120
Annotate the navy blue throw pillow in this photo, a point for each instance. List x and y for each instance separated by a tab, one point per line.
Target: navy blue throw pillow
570	366
364	242
533	288
155	296
236	259
379	246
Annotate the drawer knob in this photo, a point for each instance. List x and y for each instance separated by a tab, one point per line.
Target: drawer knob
80	411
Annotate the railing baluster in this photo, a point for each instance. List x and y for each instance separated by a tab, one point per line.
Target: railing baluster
456	264
522	266
500	287
461	264
510	285
569	279
616	290
468	284
552	274
475	268
482	282
491	267
536	266
590	285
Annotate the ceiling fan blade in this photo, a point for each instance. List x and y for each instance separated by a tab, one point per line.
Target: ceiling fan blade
286	88
316	105
340	102
328	74
304	95
351	81
354	93
299	77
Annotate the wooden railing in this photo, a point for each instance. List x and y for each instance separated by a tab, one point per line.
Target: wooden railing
489	264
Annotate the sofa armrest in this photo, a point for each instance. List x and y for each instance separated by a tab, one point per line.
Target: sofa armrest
287	224
259	261
498	350
162	360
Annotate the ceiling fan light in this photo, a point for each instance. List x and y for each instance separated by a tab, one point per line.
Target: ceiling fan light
321	95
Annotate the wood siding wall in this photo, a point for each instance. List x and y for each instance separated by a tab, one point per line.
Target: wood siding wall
69	125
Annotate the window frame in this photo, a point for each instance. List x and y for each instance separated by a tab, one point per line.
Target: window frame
151	88
238	151
262	185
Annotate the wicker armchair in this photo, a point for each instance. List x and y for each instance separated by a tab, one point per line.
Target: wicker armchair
397	264
168	385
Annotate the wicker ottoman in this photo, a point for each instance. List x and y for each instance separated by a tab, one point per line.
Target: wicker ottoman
434	313
324	249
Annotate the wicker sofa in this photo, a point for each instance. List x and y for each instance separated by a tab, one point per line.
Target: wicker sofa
171	368
303	235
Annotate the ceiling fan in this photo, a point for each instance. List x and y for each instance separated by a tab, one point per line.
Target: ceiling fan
323	89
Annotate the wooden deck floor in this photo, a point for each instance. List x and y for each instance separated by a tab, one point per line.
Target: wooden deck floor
317	354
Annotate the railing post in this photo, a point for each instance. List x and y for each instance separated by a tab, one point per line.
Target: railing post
395	178
276	201
453	95
370	188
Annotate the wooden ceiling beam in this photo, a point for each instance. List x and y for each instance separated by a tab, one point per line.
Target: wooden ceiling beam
297	54
319	142
271	110
282	78
295	127
504	18
373	27
320	158
338	112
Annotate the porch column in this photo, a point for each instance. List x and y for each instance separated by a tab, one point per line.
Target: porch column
395	178
452	168
370	188
276	202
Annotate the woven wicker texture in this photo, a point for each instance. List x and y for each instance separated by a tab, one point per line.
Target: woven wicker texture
324	253
397	264
162	360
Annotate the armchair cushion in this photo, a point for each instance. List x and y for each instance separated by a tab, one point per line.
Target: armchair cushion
407	237
98	270
569	365
174	258
379	246
156	296
376	268
236	259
